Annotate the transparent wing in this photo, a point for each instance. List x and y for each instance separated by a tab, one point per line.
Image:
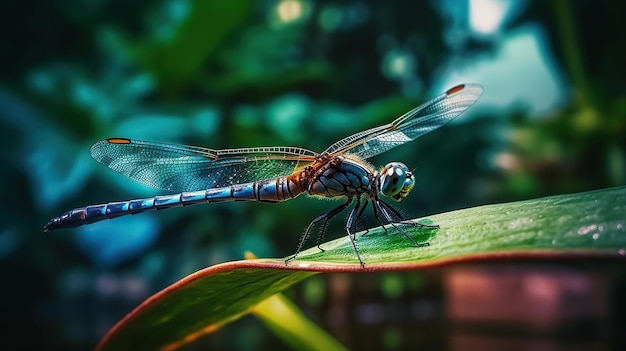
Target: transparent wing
413	124
190	168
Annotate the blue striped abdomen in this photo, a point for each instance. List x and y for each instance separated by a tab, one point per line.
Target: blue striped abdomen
270	190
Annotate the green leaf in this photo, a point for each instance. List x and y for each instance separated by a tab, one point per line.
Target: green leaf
591	224
177	58
291	325
587	223
198	304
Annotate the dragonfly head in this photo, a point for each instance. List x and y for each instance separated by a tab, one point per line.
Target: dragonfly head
396	181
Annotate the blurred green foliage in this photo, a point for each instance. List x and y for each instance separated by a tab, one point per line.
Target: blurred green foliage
242	73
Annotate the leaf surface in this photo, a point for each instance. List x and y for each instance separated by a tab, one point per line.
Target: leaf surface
583	225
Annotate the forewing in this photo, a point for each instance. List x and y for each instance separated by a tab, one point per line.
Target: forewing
410	126
190	168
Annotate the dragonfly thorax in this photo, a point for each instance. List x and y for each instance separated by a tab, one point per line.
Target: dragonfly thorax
342	176
396	181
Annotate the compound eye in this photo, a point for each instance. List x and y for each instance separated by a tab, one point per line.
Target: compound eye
393	178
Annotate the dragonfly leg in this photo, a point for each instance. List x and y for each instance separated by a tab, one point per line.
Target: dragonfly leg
394	217
359	216
322	230
351	224
320	236
325	217
376	215
330	216
403	221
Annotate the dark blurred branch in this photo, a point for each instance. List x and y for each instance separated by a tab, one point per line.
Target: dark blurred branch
569	41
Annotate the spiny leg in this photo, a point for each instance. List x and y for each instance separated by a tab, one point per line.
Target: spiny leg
320	236
350	223
329	215
375	210
402	220
323	217
323	226
389	213
359	216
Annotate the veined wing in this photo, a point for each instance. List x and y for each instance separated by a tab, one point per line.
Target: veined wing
190	168
413	124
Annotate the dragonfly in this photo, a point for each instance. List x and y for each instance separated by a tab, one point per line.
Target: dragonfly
276	174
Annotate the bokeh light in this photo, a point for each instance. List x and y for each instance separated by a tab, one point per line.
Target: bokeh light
302	73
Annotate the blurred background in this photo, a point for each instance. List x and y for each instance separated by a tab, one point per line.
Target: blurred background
306	73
